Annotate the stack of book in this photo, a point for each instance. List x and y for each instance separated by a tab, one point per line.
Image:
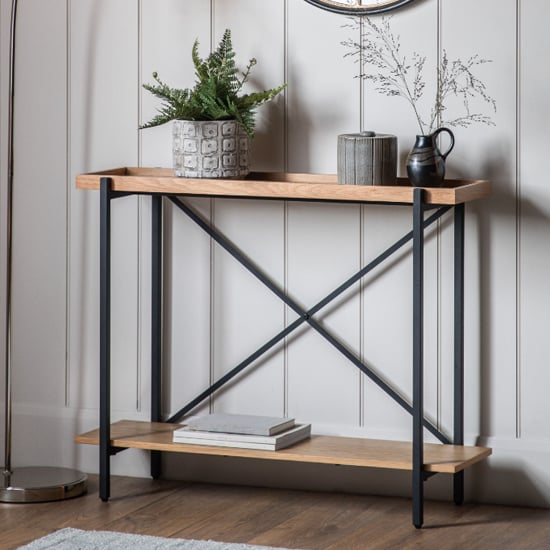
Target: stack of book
243	431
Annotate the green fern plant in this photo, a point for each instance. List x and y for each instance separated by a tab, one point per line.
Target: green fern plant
217	94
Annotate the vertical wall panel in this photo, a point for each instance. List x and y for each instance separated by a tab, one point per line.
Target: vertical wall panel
416	28
534	290
103	132
323	385
321	104
166	49
187	307
39	267
187	255
245	313
387	314
323	241
387	304
489	152
258	31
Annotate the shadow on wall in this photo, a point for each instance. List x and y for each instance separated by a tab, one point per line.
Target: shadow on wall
267	151
505	485
498	219
483	482
501	215
497	322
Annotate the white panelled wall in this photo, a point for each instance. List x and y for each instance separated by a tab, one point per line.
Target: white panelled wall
79	103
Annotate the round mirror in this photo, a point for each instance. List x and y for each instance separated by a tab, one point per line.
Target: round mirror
359	7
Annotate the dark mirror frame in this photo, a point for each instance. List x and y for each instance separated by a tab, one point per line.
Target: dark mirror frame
357	11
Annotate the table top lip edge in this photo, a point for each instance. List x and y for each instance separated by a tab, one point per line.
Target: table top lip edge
463	190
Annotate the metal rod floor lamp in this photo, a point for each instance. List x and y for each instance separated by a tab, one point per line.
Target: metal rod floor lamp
29	484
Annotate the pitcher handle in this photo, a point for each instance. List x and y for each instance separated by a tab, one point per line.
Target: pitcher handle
451	135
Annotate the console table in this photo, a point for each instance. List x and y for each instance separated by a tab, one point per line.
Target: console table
427	204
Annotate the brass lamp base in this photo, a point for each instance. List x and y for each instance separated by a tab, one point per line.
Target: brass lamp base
42	484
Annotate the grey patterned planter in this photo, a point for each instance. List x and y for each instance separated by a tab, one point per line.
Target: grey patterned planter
210	149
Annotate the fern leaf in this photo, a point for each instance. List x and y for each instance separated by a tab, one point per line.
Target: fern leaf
216	93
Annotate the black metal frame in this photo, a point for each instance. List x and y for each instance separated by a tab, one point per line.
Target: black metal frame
420	223
358	10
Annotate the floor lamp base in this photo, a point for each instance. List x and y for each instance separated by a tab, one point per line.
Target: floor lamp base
42	484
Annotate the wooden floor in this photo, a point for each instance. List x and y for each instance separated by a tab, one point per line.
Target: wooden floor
293	519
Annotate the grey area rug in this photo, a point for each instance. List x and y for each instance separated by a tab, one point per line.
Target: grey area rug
77	539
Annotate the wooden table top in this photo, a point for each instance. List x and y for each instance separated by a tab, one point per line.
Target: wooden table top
282	186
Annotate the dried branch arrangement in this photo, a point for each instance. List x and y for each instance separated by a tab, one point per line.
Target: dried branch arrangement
397	75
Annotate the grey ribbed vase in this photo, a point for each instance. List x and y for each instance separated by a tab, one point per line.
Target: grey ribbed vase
210	149
367	158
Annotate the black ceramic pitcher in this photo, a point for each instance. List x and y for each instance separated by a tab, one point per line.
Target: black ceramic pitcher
425	163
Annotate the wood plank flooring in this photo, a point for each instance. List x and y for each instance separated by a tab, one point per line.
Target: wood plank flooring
271	517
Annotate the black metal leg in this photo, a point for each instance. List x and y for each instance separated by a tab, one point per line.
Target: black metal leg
105	340
458	436
418	352
156	324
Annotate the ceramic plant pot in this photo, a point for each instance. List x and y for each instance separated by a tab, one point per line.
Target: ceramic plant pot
210	149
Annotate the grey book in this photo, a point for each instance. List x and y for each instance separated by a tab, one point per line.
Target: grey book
240	424
244	441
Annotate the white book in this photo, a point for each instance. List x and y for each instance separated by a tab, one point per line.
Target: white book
240	424
243	441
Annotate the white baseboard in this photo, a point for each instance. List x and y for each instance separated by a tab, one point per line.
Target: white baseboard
44	436
515	474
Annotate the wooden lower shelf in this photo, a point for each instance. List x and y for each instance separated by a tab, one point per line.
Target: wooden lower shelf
347	451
